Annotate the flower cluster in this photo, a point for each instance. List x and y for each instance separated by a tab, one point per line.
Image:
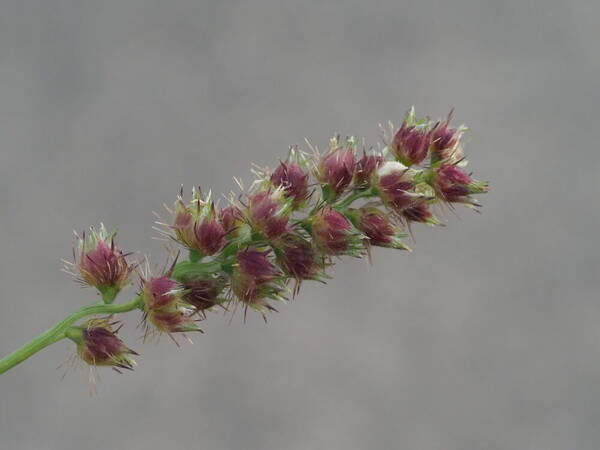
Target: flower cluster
164	306
197	226
98	344
291	225
99	263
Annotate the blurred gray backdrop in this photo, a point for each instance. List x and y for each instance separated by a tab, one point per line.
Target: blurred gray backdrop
486	337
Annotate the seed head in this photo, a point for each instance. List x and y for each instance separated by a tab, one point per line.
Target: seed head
410	144
197	227
268	213
203	293
453	185
292	178
231	217
335	169
365	167
160	291
333	234
100	263
256	279
172	320
98	344
394	183
298	258
420	212
378	227
445	141
165	307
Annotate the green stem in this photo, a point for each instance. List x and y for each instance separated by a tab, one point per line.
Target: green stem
109	293
57	332
195	256
184	269
354	196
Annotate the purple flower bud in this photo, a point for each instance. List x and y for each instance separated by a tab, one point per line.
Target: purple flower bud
98	345
210	235
444	141
184	224
410	144
198	228
378	227
160	291
203	293
268	214
231	218
419	212
257	265
101	263
336	169
394	183
172	320
164	305
365	167
298	257
455	186
333	234
293	180
255	278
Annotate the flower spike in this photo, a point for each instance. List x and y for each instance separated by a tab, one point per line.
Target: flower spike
267	240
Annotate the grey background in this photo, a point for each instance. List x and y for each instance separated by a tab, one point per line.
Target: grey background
486	337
